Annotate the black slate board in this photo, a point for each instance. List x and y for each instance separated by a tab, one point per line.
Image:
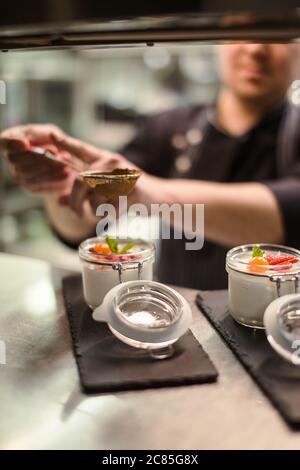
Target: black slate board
105	364
278	379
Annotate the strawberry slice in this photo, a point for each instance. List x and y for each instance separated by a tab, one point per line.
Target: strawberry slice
280	259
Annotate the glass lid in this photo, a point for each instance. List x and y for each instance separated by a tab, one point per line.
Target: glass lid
282	323
148	306
289	319
145	311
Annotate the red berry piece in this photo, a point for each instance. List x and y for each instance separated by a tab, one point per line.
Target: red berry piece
280	259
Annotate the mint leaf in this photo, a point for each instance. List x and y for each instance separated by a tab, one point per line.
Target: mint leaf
126	248
113	244
257	251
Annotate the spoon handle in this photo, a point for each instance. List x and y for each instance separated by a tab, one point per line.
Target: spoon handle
51	156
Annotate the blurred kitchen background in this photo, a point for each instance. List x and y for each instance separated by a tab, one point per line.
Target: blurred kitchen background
98	96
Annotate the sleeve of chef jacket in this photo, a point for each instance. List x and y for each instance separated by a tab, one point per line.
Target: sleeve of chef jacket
287	192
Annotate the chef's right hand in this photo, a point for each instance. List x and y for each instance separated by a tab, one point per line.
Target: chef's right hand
29	170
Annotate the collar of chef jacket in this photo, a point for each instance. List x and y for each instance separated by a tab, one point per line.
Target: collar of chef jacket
288	135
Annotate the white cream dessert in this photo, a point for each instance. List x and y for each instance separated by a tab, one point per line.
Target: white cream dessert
258	274
106	263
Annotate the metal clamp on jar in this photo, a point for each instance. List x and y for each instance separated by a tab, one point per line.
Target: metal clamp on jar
280	279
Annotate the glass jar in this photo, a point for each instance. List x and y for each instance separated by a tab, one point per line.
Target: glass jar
250	290
101	272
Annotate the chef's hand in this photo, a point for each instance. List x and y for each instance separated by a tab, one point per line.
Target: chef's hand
95	159
35	173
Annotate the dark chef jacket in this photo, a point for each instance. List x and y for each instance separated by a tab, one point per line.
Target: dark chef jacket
188	143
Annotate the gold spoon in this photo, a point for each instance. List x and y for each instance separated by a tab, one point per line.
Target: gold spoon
117	182
44	153
114	183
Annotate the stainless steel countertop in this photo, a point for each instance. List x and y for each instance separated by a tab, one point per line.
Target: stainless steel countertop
42	406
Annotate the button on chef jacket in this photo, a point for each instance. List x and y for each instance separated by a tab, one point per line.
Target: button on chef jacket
188	143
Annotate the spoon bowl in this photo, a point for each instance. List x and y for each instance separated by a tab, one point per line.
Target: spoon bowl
114	183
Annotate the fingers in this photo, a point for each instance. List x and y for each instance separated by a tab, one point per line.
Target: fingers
60	183
37	174
32	134
33	164
78	196
64	199
42	177
55	186
20	138
109	162
36	162
81	194
41	134
96	200
85	152
10	145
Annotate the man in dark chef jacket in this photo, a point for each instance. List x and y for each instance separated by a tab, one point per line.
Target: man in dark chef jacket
239	157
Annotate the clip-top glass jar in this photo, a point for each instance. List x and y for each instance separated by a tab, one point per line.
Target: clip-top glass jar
101	272
251	288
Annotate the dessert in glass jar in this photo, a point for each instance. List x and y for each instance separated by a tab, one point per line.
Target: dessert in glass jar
108	262
258	274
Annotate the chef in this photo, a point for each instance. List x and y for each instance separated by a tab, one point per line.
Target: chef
239	157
